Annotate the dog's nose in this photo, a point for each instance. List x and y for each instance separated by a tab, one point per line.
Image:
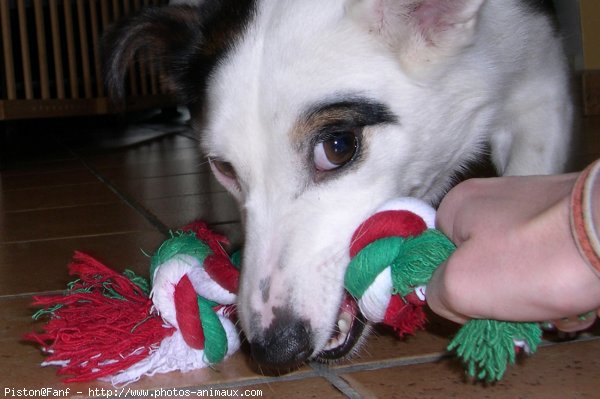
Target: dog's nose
285	345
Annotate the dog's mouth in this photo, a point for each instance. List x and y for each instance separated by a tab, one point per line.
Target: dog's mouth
347	331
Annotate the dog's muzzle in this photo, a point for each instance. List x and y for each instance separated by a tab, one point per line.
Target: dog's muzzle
287	343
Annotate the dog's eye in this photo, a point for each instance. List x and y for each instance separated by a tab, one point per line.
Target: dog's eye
335	150
224	168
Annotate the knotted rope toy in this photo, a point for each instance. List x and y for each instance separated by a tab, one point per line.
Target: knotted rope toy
111	326
393	255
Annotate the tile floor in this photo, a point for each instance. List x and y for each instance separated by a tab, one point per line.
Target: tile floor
116	193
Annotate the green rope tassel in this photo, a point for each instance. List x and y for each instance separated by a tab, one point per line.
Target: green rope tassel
487	346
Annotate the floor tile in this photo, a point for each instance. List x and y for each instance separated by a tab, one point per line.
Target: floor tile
31	146
232	372
20	361
70	222
296	389
62	166
56	197
39	266
178	211
48	177
561	371
168	167
144	155
169	186
101	140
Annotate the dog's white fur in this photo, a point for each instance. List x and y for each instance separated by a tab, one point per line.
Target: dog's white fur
425	85
457	74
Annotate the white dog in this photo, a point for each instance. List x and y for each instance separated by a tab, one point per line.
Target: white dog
314	112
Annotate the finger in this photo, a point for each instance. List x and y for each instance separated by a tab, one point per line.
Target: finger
575	323
437	297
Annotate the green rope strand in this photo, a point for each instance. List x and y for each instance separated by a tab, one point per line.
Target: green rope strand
417	260
369	262
180	243
215	338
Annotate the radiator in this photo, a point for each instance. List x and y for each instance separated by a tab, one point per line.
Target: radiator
51	62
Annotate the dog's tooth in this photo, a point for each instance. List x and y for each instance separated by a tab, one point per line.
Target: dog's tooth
343	325
332	343
347	317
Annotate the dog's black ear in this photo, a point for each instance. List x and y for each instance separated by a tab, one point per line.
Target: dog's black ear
186	41
171	36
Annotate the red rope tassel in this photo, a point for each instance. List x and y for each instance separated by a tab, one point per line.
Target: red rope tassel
101	326
404	317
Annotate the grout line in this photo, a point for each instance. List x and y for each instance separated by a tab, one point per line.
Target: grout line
206	193
344	387
51	186
187	134
337	381
51	208
112	233
135	205
130	201
389	363
259	380
225	223
24	295
142	177
160	134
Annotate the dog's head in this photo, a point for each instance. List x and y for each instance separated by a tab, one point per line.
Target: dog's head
312	113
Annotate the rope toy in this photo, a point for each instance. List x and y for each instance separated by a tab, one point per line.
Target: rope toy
393	255
112	326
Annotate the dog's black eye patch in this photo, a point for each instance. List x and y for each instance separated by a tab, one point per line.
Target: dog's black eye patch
333	131
350	112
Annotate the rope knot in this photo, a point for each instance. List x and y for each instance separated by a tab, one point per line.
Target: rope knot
392	253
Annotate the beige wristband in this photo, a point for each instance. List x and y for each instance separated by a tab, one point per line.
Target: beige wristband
583	228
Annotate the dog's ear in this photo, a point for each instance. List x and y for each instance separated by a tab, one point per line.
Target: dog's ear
170	36
422	31
186	41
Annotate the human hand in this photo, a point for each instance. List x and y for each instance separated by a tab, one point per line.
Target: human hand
516	259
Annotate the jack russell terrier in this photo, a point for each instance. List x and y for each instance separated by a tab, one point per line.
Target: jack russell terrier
312	113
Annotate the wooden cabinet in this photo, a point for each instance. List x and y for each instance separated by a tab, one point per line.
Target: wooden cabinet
50	60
